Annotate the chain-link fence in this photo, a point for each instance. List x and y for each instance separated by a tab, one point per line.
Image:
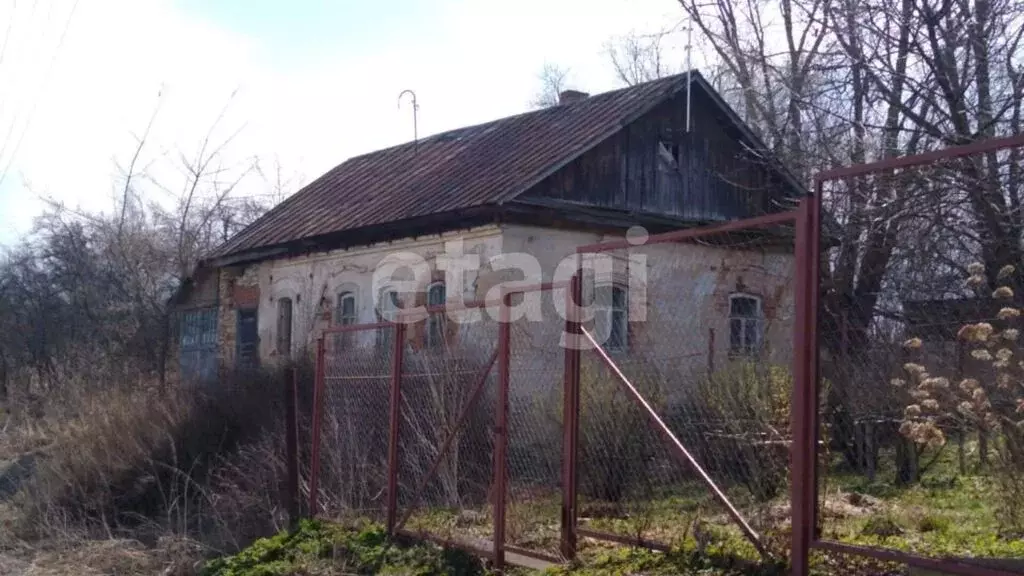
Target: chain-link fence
657	415
351	421
684	411
920	441
448	390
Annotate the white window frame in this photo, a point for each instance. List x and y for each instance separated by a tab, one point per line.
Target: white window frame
747	325
609	317
435	322
387	309
340	318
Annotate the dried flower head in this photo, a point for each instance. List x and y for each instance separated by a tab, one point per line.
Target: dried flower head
920	395
1001	364
1003	293
975	332
930	405
1010	334
907	428
934	383
978	394
969	384
1020	405
981	355
965	408
975	281
898	382
1004	354
913	369
1003	380
912	411
1008	313
1006	271
975	268
912	344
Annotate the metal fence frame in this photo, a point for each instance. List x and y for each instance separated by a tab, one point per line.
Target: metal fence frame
805	417
805	413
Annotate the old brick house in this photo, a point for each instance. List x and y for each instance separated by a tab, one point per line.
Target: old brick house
541	183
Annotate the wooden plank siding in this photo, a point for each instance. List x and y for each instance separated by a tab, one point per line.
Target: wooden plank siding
707	175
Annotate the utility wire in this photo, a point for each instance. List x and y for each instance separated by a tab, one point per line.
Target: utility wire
35	103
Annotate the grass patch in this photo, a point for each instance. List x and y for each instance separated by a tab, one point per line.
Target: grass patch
329	549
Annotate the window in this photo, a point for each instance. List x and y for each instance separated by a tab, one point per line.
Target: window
284	327
436	296
387	309
745	324
611	318
345	313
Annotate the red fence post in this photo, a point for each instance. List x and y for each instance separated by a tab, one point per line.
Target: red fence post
570	418
394	427
801	455
291	438
501	431
314	454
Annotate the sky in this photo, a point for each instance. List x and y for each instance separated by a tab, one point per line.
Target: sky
292	87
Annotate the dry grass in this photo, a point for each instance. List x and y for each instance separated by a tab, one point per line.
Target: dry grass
142	481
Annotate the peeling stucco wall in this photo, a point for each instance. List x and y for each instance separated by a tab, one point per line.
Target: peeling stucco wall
688	288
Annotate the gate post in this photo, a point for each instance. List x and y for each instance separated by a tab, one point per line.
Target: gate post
802	416
501	431
570	417
314	453
291	435
394	425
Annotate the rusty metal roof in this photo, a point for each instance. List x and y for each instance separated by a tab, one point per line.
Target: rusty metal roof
470	167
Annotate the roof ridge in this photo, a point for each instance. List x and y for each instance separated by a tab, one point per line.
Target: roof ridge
546	109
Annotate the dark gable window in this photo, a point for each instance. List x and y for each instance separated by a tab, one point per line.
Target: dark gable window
745	325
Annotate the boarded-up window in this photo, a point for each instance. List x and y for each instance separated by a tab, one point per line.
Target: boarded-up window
745	324
198	346
284	327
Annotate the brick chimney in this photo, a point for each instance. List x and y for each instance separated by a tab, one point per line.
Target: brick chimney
571	96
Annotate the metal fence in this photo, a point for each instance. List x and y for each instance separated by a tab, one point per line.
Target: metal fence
909	431
836	385
527	426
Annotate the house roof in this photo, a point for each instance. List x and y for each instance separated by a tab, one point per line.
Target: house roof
476	166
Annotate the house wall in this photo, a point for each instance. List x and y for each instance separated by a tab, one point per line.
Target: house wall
314	281
687	297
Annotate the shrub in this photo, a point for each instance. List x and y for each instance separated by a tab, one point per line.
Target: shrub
147	462
616	443
744	411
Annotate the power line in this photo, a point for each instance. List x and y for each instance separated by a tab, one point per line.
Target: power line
42	89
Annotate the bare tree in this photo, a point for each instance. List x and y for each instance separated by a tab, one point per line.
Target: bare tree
553	81
638	58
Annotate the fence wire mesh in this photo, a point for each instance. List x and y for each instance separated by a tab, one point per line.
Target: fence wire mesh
921	426
536	374
702	328
353	456
448	390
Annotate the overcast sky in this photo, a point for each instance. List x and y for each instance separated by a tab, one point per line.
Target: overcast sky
305	84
